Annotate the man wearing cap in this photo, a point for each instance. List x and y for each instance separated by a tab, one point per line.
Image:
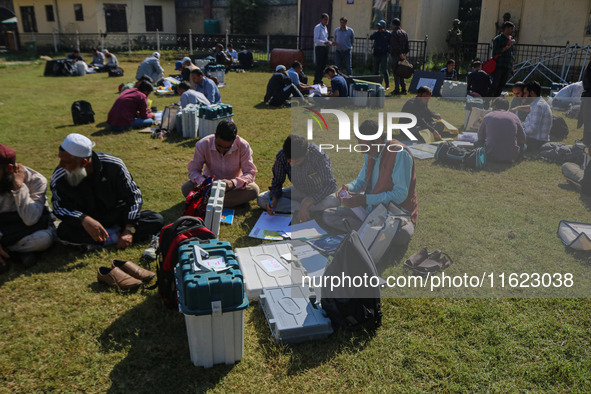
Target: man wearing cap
206	86
24	214
381	49
151	67
398	50
454	41
97	199
130	110
190	96
280	88
187	67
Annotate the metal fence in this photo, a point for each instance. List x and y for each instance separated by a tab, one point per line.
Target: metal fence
201	44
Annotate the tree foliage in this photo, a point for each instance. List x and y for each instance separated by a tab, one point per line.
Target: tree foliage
247	15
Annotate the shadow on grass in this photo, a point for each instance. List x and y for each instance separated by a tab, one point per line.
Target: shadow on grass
263	105
308	355
251	216
58	258
157	359
173	213
176	138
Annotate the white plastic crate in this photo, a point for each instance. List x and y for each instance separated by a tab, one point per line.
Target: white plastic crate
190	121
454	90
267	266
215	205
216	339
208	126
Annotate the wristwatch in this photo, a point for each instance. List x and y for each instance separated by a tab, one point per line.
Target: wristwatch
130	228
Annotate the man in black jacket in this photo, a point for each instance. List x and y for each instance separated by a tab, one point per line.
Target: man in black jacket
280	88
398	49
96	198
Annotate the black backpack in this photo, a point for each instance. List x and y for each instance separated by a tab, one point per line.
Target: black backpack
82	112
448	153
559	130
352	308
184	229
116	72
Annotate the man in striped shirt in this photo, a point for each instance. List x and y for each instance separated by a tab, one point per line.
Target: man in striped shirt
309	170
97	199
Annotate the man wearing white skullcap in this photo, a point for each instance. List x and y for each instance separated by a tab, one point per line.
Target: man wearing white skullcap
151	67
97	199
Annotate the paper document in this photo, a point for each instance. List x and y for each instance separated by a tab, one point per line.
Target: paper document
270	226
217	264
307	230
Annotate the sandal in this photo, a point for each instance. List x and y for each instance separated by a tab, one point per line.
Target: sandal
437	261
416	259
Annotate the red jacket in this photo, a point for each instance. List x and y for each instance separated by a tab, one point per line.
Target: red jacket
129	105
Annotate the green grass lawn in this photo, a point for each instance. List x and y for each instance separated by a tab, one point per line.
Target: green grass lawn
62	331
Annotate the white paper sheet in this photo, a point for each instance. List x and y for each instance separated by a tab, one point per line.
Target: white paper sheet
270	223
307	230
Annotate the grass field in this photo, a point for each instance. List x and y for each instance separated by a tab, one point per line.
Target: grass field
62	331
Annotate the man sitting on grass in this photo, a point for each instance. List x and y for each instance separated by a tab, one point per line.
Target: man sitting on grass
426	119
280	88
24	215
190	96
338	84
388	175
151	67
227	157
130	110
206	86
309	170
538	122
97	199
501	133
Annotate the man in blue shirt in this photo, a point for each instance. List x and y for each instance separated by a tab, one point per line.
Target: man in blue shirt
388	176
344	37
294	73
205	86
321	45
538	123
190	96
381	49
151	67
338	84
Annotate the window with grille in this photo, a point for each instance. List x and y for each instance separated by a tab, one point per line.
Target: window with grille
49	13
28	19
78	12
153	17
115	18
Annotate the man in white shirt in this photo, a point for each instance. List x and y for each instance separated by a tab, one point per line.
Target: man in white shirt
321	45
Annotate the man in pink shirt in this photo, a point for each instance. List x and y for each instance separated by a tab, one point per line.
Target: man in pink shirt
227	157
130	110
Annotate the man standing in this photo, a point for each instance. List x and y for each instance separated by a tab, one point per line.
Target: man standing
309	170
503	47
398	50
151	67
130	110
344	37
24	215
381	50
538	123
426	119
190	96
388	175
205	86
227	157
501	133
280	88
321	45
454	41
97	199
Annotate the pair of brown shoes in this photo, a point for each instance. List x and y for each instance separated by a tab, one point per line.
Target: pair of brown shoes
124	275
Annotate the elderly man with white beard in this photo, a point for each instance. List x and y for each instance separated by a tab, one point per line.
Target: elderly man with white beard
97	199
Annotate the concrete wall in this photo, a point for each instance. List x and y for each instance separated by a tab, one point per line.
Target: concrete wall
543	22
94	15
419	18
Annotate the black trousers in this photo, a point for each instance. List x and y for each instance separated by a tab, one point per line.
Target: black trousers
149	224
280	97
500	77
321	61
13	228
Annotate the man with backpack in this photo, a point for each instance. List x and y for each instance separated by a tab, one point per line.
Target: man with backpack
227	157
96	198
394	181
